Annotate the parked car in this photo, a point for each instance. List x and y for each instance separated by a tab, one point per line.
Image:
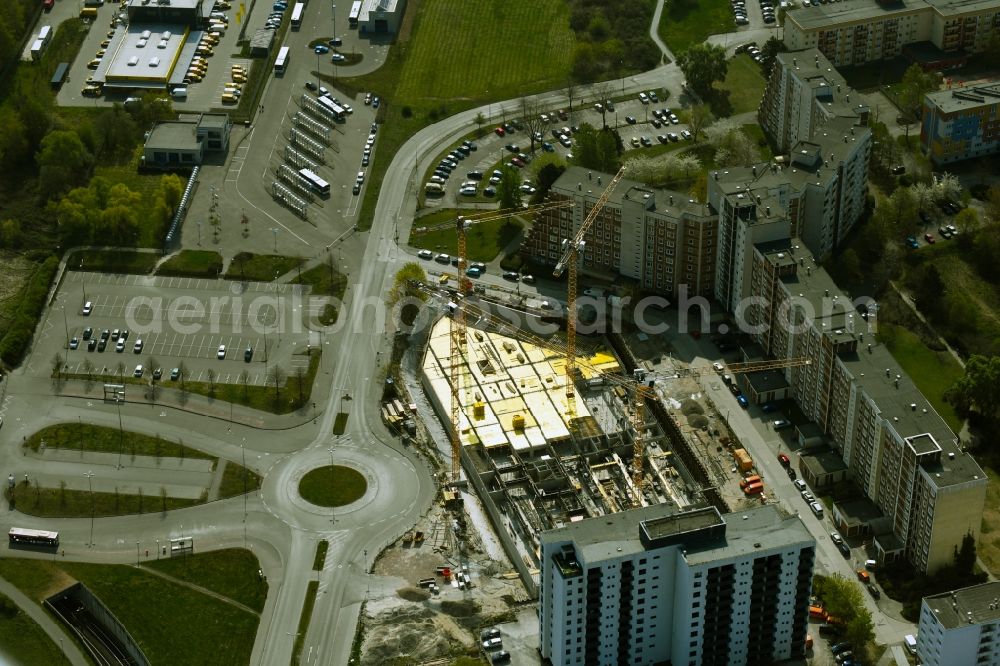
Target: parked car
221	354
742	399
781	424
784	459
74	343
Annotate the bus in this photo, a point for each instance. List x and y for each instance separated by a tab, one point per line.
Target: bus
22	536
352	20
314	182
332	107
281	62
297	15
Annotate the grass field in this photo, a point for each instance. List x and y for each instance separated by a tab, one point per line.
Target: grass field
460	55
86	437
744	83
260	267
114	261
688	23
58	503
332	485
192	263
307	611
171	623
23	641
320	558
231	573
933	372
483	241
233	480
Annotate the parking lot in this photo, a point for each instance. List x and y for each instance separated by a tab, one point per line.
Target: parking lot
177	320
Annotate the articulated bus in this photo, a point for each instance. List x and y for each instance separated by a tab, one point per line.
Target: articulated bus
352	20
26	537
335	109
297	15
314	182
281	62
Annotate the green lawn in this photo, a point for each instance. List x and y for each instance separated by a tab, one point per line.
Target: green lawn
171	623
57	503
307	611
114	261
260	267
325	280
483	241
933	372
332	485
320	558
744	83
233	481
683	24
23	640
231	573
460	55
86	437
192	263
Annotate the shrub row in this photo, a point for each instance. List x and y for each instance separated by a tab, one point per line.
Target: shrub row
24	317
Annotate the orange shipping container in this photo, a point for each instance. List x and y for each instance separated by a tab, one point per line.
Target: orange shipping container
743	460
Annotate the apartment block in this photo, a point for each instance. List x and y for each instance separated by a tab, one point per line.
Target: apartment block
859	31
961	123
803	93
659	238
898	450
961	627
818	196
657	585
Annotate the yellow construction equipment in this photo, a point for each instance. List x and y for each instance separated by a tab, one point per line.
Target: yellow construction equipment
570	258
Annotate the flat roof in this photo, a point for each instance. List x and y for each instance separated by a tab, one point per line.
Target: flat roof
173	135
173	4
951	7
137	57
979	604
764	381
578	181
822	462
832	15
965	98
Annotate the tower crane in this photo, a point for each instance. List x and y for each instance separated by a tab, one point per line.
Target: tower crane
458	327
570	258
634	386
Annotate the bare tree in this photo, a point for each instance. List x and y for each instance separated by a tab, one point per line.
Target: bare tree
152	364
300	378
480	119
182	371
120	371
211	381
57	365
571	88
604	94
276	378
531	116
701	117
87	367
244	379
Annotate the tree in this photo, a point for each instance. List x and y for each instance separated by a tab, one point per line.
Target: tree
10	234
772	47
171	191
546	176
245	379
597	149
603	91
701	117
509	188
114	130
404	285
63	161
276	378
842	599
531	116
979	387
120	371
915	85
211	382
163	498
57	365
87	367
182	371
480	119
300	380
570	93
703	64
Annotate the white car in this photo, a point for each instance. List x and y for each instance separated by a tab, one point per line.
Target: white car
425	254
222	352
643	98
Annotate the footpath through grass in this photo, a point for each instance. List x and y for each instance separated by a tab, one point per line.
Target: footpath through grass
23	640
453	55
171	623
685	23
231	573
933	372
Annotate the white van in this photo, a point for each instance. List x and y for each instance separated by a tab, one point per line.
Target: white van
179	93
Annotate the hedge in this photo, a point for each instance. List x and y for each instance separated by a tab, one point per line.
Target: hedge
24	316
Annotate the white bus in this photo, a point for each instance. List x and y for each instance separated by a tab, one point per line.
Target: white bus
281	62
314	182
352	20
20	535
297	15
335	109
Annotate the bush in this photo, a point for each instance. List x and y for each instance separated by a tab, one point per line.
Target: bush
15	341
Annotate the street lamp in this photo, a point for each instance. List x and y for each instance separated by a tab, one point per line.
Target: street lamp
90	483
274	230
335	21
333	510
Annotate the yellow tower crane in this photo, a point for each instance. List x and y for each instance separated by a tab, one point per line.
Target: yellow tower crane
571	259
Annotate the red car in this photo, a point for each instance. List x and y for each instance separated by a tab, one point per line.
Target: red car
500	131
929	238
785	462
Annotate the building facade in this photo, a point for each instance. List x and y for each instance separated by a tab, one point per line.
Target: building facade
652	585
859	31
661	239
961	628
897	449
961	123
